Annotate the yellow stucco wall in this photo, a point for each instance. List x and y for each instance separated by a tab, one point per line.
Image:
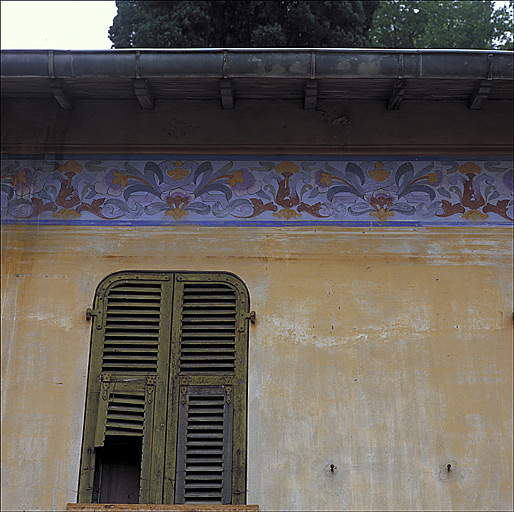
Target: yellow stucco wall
386	352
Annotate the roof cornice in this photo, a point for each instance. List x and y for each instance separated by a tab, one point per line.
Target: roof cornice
309	69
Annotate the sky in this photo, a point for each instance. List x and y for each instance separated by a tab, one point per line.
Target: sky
59	25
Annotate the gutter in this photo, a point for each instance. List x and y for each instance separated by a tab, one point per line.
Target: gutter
272	63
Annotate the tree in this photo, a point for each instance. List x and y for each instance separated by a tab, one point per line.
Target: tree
446	24
236	23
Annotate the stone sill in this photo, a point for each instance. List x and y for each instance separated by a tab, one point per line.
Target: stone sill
107	507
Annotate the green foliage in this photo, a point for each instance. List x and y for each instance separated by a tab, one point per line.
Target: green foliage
243	24
442	24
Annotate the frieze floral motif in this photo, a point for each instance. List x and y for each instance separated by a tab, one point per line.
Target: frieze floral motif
178	172
381	200
305	190
379	172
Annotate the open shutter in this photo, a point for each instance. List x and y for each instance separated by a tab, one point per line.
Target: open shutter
208	419
128	380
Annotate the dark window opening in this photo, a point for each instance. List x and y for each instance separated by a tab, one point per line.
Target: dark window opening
117	470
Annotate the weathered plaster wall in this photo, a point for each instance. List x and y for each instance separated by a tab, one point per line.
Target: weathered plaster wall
386	352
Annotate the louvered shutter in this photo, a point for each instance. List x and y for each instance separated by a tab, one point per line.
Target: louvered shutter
168	365
204	451
209	415
128	382
208	328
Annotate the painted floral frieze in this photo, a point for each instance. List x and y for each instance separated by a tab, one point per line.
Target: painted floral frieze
199	190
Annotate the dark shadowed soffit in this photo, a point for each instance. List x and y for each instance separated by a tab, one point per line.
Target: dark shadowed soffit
227	76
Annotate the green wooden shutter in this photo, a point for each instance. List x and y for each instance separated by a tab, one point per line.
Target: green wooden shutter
128	378
168	364
209	354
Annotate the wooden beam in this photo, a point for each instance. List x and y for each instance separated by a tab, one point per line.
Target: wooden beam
396	95
479	95
143	94
227	94
61	93
311	94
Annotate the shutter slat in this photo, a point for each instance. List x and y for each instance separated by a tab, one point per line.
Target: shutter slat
127	433
140	288
133	319
203	288
203	367
206	451
123	425
196	310
135	301
205	485
133	340
191	480
122	348
128	336
123	412
199	348
216	356
214	343
140	356
131	326
219	320
130	367
120	314
193	306
206	335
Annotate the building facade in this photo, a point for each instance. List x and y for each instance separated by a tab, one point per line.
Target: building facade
363	198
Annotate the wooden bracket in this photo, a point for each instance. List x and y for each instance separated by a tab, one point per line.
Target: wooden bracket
227	94
61	93
479	95
311	95
143	94
396	95
483	88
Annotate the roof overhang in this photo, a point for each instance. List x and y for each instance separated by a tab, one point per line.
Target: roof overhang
228	75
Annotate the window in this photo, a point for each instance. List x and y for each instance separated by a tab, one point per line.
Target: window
165	418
